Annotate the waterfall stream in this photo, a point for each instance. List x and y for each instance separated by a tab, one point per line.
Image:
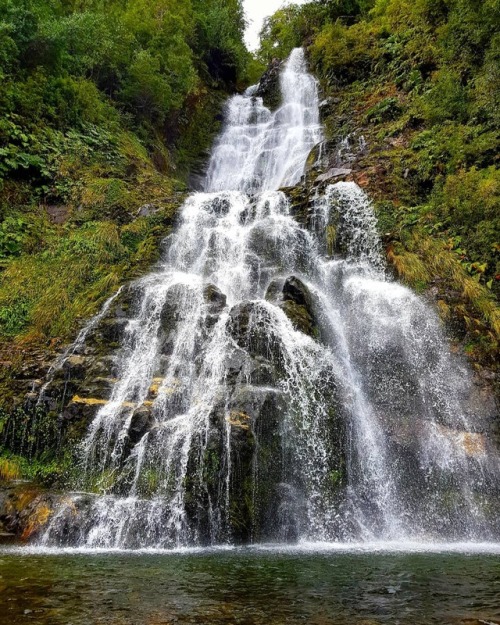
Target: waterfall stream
271	391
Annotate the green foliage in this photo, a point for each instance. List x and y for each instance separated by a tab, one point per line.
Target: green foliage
220	26
468	204
345	54
384	110
132	65
447	99
12	235
147	56
281	33
295	24
45	292
103	104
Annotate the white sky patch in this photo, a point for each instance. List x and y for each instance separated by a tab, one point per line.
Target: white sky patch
256	11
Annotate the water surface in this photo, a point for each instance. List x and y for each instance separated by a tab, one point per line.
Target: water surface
249	587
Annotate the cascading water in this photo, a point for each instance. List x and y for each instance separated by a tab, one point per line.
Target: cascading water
268	390
263	151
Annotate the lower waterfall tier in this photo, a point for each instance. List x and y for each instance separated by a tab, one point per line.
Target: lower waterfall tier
272	385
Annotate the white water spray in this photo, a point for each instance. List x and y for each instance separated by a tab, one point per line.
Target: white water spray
263	151
270	390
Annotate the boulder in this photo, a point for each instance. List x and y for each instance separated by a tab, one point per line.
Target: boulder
26	510
141	422
215	304
298	305
296	291
215	298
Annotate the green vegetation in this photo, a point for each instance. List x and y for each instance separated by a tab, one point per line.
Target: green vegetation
104	106
420	80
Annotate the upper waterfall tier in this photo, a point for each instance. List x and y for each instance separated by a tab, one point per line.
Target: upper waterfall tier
263	151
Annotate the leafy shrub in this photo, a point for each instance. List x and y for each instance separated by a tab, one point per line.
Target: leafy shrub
385	110
446	100
13	231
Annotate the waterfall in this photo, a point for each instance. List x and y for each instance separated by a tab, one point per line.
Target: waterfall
269	389
262	151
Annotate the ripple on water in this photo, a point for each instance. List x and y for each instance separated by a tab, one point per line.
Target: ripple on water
264	585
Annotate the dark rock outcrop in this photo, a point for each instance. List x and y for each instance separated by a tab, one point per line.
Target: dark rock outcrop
296	301
215	304
140	423
269	85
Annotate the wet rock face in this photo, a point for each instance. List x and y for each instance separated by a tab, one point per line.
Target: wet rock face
141	422
300	317
255	415
302	204
248	323
251	419
25	510
169	315
296	301
269	85
257	358
215	304
215	298
298	306
295	290
70	395
113	330
75	367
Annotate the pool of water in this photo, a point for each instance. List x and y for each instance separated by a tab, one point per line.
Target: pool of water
252	586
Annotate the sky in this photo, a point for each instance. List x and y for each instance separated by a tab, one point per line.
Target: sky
256	11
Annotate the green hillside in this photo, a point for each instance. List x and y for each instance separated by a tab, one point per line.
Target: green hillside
105	105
